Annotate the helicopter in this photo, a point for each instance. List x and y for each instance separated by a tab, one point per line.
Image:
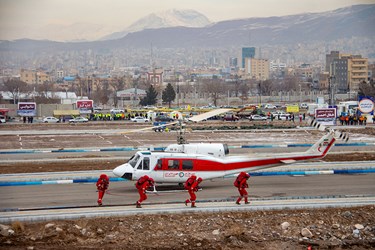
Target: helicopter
177	162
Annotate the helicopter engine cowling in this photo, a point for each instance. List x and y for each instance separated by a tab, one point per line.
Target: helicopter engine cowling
214	149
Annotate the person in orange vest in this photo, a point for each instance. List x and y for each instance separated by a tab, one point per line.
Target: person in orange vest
191	185
241	184
102	185
142	185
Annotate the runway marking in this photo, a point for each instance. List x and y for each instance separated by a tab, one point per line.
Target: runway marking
20	141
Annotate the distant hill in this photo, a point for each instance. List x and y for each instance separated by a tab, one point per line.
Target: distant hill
354	21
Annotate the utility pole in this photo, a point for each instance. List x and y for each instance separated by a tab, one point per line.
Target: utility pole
260	91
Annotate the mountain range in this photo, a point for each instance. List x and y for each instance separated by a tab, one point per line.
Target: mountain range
343	23
164	19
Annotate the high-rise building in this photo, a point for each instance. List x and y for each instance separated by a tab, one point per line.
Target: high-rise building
233	62
357	71
346	71
330	57
258	69
247	52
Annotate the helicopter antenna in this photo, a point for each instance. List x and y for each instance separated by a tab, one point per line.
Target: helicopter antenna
181	133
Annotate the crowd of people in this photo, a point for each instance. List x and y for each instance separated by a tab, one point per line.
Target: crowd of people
354	120
191	186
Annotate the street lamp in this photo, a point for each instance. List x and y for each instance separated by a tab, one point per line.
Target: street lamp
331	90
260	91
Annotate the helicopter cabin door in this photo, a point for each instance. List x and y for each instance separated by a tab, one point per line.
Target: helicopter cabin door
144	165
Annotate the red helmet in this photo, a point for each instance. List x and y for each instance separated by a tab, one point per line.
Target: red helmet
104	177
199	179
247	176
194	177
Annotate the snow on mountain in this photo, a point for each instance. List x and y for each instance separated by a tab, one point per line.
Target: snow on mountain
164	19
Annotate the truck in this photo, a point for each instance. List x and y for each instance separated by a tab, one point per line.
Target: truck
311	107
347	108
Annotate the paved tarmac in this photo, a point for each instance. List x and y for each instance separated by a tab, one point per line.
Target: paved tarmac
277	192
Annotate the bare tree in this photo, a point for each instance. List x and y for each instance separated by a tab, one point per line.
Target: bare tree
15	87
367	88
102	93
244	91
117	84
215	88
266	87
44	93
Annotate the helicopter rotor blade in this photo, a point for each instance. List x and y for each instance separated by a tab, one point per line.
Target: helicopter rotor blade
204	116
150	128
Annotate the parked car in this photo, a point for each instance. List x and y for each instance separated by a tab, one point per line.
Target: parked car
283	117
303	106
2	119
276	114
163	118
257	118
139	119
78	119
50	119
270	106
230	117
116	110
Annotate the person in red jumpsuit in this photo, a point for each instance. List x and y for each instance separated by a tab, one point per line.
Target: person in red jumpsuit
142	185
102	185
191	185
242	187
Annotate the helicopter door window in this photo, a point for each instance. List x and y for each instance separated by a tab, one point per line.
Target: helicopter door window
146	163
187	165
173	164
159	164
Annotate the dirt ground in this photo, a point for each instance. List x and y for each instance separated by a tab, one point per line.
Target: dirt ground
339	228
330	228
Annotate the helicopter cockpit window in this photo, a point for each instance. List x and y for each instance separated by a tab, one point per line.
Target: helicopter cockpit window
187	165
133	161
173	164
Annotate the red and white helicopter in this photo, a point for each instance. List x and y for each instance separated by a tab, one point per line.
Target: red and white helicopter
211	160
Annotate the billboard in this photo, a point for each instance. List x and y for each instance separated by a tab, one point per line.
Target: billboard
26	109
292	108
85	106
326	116
366	105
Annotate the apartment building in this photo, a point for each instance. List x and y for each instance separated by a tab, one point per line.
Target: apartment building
346	71
258	69
34	76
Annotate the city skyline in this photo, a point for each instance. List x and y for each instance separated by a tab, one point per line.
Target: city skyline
30	18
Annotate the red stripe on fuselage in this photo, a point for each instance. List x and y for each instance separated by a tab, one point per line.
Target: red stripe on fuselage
217	165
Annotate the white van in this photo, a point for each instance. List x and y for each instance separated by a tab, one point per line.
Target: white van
303	106
2	119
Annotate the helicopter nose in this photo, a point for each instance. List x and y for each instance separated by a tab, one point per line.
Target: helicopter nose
123	171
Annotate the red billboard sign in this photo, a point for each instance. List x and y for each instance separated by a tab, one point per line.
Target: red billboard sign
26	106
328	113
84	104
326	116
26	109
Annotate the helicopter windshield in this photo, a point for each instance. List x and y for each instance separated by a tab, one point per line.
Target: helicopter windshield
133	160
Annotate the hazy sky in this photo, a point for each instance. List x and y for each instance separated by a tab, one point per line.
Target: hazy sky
21	17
